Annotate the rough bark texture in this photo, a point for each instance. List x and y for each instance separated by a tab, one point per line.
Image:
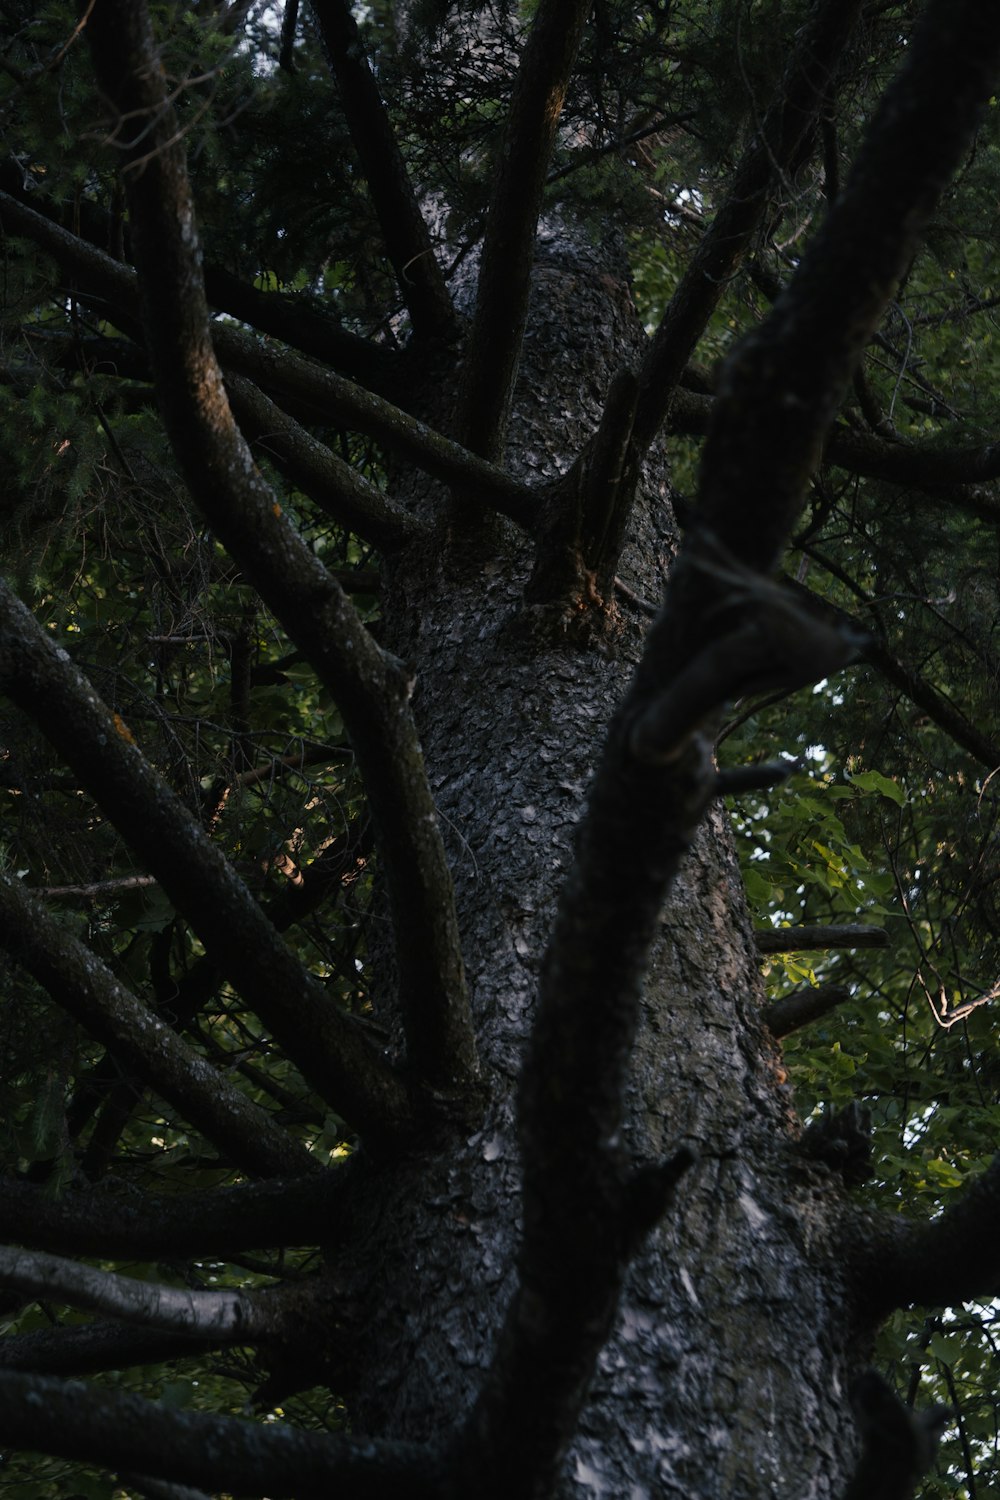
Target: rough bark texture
724	1368
732	1333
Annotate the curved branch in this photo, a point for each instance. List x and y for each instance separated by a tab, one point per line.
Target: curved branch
407	240
73	1420
330	1049
508	250
109	1221
81	984
371	689
784	132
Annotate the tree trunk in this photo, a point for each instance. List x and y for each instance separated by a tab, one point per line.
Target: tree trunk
728	1367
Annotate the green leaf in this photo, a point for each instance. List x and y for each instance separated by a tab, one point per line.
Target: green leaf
874	781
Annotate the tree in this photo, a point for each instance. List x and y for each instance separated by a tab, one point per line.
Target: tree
413	1039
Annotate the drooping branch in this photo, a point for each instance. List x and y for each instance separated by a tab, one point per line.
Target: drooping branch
284	374
407	239
546	63
76	1421
107	1220
777	146
331	1050
371	689
80	983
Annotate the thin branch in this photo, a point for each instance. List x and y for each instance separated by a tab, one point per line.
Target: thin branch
407	240
784	132
347	496
945	714
80	983
371	689
546	64
331	1050
118	1431
97	888
782	386
305	325
819	937
285	374
589	154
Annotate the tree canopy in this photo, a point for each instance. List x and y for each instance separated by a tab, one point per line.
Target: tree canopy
643	356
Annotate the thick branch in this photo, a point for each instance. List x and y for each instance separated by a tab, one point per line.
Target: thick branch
795	939
303	325
508	250
84	1350
782	386
95	1346
944	473
106	1221
803	1007
951	1259
331	1050
80	983
75	1421
580	1197
776	148
371	689
224	1317
407	240
898	1445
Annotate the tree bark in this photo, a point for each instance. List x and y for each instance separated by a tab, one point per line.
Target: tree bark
732	1332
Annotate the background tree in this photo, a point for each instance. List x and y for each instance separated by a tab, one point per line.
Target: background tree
564	389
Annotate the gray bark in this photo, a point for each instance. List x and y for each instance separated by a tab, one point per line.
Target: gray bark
728	1368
